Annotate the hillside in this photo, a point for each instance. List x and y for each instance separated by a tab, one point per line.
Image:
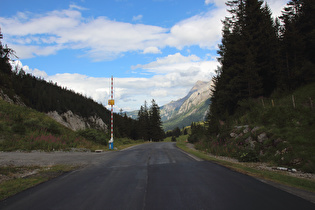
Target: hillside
22	128
279	130
191	108
71	109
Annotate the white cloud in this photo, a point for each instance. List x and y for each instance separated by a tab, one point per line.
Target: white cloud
203	30
179	75
169	63
152	50
275	5
137	18
74	6
219	3
102	38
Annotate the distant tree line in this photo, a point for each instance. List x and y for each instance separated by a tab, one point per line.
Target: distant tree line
176	132
259	55
150	124
46	96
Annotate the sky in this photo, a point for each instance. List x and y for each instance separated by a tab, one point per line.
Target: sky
154	49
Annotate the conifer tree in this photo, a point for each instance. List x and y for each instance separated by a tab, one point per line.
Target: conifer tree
247	58
156	131
150	124
5	54
297	44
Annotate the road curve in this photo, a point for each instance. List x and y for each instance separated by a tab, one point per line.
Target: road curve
154	176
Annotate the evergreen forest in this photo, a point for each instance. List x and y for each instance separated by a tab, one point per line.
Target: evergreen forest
259	55
262	105
44	96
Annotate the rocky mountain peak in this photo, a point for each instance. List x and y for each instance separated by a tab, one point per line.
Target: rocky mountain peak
192	107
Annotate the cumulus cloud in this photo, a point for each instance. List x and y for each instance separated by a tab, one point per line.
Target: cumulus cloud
102	38
170	63
203	30
179	75
152	50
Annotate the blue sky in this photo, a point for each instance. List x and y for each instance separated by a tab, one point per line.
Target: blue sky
155	49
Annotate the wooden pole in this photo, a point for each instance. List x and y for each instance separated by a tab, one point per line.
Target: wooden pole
293	101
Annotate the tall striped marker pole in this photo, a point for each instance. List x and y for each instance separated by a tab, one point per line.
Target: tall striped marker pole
1	36
111	102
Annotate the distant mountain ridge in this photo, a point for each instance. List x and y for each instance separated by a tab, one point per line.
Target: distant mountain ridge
182	112
191	108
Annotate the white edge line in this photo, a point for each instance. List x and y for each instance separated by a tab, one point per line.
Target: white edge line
190	155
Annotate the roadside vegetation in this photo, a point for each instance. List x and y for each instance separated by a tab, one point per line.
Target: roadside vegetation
17	179
274	130
262	103
248	168
25	129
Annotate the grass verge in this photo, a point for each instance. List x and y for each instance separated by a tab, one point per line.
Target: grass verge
273	176
17	179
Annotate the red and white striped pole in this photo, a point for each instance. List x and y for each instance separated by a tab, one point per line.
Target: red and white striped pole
111	102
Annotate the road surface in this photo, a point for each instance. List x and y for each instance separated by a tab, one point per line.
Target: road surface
154	176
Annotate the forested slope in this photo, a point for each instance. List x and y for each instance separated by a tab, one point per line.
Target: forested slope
44	96
263	94
259	55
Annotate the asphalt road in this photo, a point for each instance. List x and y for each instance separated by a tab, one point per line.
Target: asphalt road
154	176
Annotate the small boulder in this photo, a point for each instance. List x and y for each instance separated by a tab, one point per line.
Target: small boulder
262	137
255	129
250	142
233	135
246	130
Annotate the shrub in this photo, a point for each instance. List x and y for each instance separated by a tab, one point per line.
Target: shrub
19	128
54	129
94	135
173	138
248	156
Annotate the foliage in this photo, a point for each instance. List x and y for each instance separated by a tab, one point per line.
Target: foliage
173	139
197	133
94	135
13	185
150	124
46	96
248	156
275	176
289	131
263	62
176	132
25	129
258	56
297	44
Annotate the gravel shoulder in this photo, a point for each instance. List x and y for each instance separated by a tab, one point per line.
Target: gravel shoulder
37	158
